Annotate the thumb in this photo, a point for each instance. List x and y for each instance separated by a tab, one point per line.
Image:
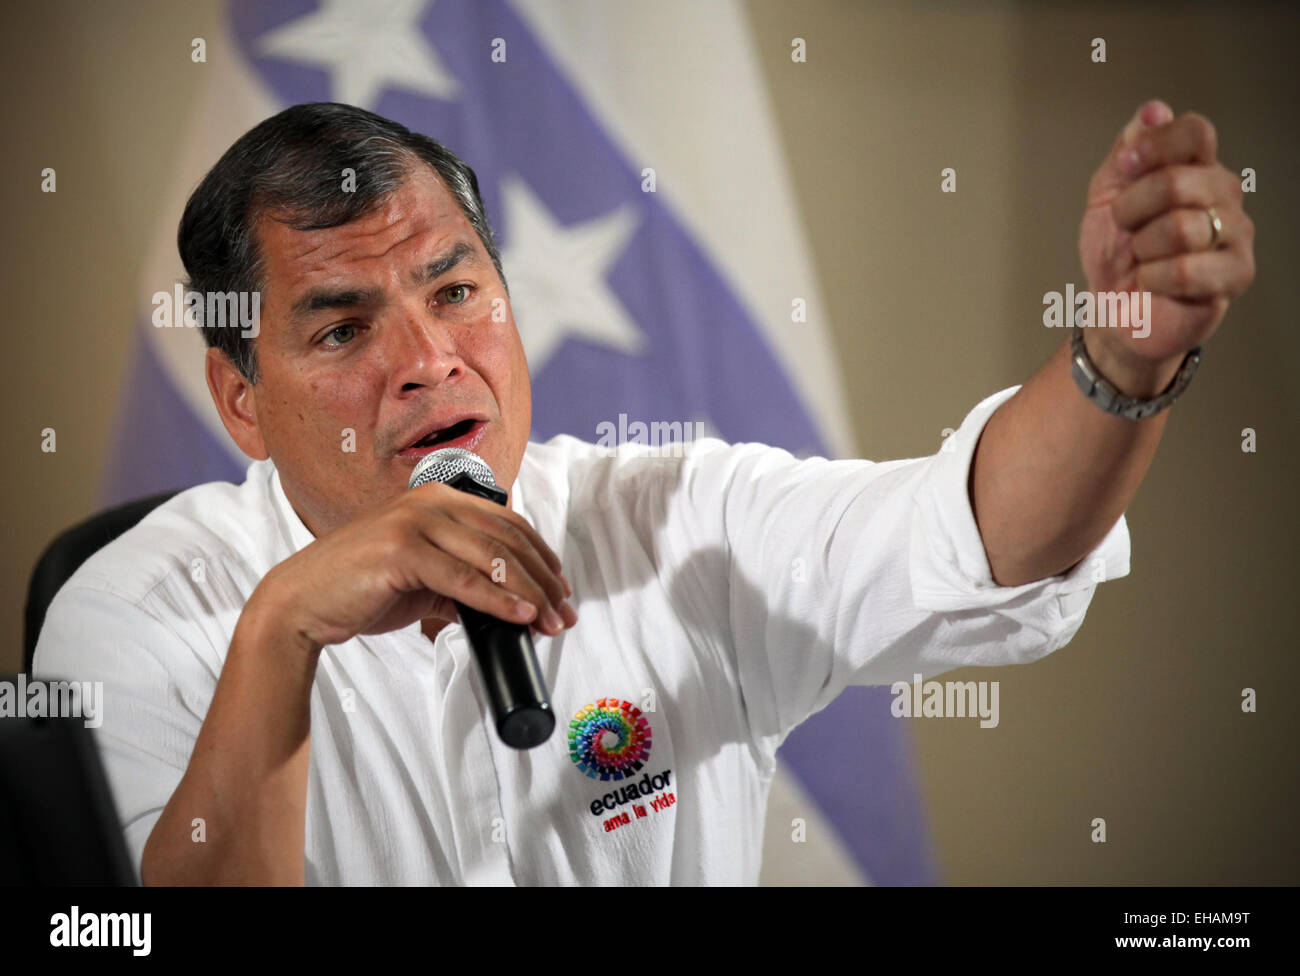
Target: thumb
1115	172
1150	115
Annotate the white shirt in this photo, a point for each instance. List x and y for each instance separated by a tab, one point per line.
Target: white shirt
723	597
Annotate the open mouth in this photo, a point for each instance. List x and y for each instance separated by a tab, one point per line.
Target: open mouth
467	433
449	434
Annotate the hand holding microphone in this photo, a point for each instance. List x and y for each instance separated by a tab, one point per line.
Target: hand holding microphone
503	650
432	552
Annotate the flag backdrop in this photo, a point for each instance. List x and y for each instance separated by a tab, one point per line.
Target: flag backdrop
666	305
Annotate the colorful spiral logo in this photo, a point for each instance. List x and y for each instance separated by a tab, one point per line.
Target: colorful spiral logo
610	739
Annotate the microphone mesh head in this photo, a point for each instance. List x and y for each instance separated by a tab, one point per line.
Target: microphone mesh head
444	464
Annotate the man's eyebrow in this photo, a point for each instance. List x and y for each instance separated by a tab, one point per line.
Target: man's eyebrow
326	298
440	265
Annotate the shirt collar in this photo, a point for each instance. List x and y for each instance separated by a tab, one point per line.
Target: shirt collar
299	535
516	502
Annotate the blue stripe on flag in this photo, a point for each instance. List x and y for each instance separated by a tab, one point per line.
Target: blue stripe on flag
160	444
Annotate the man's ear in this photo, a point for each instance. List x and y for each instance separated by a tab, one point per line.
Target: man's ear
236	400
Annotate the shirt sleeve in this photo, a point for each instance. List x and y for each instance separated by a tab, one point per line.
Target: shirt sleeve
150	715
866	573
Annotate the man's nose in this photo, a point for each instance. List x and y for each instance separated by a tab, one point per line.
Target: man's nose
423	350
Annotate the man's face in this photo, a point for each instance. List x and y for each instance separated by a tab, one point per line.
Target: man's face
363	331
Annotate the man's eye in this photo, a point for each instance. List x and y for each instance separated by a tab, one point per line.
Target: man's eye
456	294
341	335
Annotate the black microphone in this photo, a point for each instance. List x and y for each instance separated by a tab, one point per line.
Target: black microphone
504	651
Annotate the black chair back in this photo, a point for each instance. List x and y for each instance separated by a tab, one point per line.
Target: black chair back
67	552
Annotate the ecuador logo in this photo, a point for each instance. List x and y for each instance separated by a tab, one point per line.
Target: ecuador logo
610	739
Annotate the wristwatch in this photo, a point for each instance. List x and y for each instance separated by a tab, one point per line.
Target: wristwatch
1102	392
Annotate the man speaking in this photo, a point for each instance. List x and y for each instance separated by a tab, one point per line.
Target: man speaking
290	696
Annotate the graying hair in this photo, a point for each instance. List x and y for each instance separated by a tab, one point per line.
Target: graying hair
290	168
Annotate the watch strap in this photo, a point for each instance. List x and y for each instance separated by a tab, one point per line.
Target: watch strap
1107	396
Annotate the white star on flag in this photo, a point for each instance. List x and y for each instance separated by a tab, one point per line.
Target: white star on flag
557	276
365	47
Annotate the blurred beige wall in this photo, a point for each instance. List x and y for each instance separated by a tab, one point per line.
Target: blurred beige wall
935	301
